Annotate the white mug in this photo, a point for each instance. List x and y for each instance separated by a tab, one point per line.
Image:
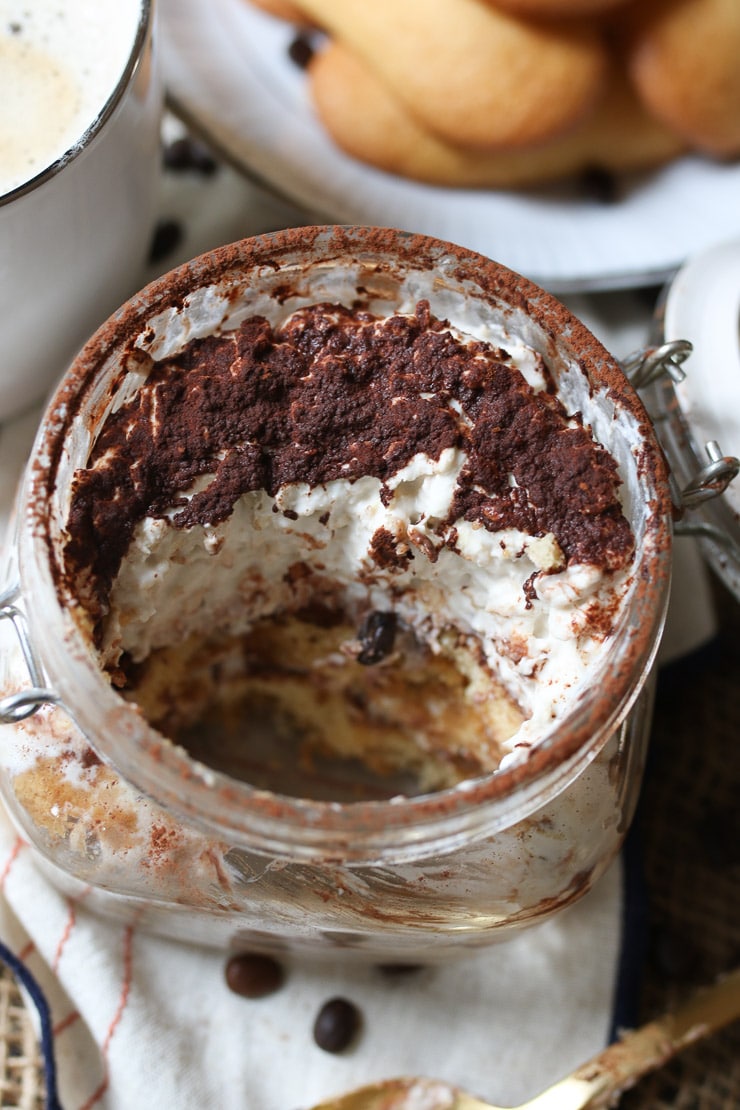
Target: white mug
74	236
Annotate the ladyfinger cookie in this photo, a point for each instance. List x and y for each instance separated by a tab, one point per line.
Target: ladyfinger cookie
283	9
556	9
684	58
368	122
470	73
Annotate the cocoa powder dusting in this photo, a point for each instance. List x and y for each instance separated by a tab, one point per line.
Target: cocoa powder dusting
330	394
384	549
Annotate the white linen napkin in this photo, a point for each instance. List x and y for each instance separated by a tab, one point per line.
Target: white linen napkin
140	1021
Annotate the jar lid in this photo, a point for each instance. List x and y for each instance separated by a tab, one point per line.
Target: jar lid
698	412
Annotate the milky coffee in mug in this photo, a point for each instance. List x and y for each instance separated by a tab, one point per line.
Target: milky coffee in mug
80	102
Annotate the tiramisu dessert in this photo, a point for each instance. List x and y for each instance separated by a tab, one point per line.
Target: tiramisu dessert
333	535
345	555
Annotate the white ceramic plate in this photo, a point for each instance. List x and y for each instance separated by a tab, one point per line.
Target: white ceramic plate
229	74
703	306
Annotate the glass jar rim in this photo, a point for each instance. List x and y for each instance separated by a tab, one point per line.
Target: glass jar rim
231	808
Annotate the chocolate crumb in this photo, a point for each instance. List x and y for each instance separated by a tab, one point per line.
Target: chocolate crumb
254	976
387	551
337	1024
377	637
530	589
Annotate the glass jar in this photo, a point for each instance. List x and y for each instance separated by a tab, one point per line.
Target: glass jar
150	834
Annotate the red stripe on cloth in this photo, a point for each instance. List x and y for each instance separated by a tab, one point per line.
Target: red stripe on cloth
128	934
65	1023
72	903
123	998
66	933
13	856
97	1093
27	951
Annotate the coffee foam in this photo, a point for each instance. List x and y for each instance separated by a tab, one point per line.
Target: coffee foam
59	65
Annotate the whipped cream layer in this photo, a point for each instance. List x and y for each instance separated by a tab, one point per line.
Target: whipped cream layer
335	458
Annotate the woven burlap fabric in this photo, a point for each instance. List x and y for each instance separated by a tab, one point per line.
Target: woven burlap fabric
688	831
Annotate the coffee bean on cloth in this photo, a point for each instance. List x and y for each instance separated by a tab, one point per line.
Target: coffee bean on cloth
254	976
336	1025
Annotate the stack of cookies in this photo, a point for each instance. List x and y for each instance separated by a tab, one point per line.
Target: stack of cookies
515	93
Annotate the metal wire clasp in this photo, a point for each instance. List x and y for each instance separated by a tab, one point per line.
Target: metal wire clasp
17	707
648	365
713	479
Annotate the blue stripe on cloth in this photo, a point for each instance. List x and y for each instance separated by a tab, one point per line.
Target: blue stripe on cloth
24	977
634	940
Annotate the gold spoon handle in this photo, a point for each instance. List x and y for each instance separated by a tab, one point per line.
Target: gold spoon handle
619	1066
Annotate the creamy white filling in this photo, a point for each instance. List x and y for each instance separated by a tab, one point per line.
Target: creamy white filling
175	583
